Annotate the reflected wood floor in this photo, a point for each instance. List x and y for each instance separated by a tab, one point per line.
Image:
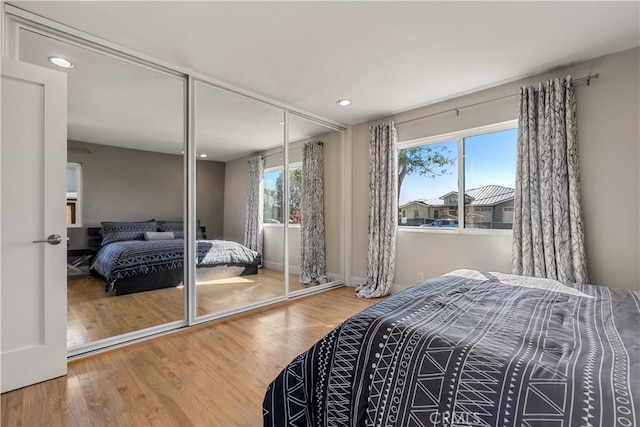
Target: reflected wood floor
210	375
92	314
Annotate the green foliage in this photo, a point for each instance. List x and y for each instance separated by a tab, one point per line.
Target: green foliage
271	205
424	160
274	198
295	189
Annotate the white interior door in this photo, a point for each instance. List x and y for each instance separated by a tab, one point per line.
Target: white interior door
33	289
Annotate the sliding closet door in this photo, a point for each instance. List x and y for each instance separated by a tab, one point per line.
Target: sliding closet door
238	156
126	134
315	206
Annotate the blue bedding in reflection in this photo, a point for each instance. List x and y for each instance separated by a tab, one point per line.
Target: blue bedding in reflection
124	259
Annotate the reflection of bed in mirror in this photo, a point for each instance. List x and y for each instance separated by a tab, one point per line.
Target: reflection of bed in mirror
143	256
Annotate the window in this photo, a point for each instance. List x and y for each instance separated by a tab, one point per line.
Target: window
74	194
479	162
273	195
424	166
507	214
489	178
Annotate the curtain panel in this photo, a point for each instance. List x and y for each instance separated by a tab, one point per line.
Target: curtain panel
313	264
383	212
548	236
255	208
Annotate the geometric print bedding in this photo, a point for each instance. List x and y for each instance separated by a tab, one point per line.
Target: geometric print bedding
119	260
113	231
472	351
176	227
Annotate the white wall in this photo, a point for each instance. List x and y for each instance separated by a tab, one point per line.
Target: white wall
121	184
608	113
235	199
236	182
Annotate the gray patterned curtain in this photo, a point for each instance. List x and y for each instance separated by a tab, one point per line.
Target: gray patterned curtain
383	212
313	264
548	236
253	223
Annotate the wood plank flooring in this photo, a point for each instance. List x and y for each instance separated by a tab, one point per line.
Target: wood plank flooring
94	315
211	375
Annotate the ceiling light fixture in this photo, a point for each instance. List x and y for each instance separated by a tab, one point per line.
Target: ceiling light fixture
343	102
61	62
202	155
281	123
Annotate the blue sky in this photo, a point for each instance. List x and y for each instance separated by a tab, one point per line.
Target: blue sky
270	179
489	159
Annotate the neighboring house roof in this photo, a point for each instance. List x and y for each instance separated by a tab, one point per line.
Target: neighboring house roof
489	195
450	193
415	202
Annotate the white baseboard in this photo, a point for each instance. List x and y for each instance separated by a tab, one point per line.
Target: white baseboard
355	281
335	277
277	266
294	269
395	288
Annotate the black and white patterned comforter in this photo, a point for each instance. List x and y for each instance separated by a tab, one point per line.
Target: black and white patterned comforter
472	349
129	258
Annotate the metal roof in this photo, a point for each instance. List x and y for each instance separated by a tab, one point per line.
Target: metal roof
488	195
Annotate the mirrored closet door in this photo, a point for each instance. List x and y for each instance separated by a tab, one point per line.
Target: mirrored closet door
314	216
125	195
239	201
266	206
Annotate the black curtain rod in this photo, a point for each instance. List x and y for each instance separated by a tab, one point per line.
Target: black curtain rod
279	152
457	110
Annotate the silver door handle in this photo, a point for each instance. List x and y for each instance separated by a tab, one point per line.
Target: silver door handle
54	239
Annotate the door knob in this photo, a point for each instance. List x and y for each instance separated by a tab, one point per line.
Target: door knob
54	239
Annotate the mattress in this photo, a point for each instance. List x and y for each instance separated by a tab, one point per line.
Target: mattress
472	349
124	259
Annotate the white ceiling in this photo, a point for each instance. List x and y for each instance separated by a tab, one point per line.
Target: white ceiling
385	56
114	102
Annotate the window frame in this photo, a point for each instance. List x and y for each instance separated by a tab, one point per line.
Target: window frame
77	166
458	136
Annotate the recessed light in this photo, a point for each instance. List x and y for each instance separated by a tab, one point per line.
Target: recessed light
61	62
202	155
282	123
343	102
182	152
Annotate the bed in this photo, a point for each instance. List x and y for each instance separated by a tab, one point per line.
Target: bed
130	263
472	349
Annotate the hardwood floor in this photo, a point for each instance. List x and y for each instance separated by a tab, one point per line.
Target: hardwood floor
94	315
211	375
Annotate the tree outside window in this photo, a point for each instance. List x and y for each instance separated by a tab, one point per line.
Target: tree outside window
477	163
274	197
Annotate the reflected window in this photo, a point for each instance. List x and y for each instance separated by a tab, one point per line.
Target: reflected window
74	194
273	194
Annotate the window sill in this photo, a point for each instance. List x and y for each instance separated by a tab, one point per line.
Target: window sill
270	225
457	231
